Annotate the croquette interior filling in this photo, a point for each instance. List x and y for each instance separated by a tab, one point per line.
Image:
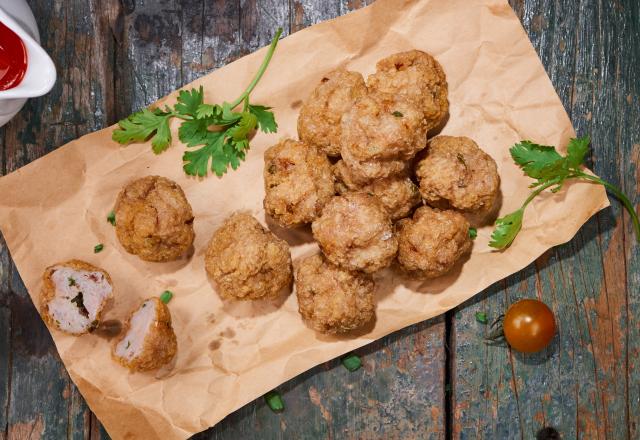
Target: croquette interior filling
79	297
133	342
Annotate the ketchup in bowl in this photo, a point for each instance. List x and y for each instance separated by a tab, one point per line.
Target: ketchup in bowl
13	58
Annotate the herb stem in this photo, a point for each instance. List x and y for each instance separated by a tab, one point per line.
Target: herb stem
620	196
538	191
261	70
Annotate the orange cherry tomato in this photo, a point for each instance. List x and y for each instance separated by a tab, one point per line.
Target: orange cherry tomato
529	325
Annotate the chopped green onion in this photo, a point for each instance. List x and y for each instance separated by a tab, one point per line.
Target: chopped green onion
397	114
274	401
166	296
351	362
98	248
111	218
473	233
481	317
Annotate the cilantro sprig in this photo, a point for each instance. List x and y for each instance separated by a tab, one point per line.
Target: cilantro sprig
551	170
216	135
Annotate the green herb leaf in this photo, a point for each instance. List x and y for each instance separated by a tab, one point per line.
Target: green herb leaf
205	111
266	120
576	151
481	317
274	401
397	114
534	158
550	170
240	131
111	218
197	161
473	233
98	248
351	362
195	132
166	296
506	229
221	133
72	281
143	125
189	101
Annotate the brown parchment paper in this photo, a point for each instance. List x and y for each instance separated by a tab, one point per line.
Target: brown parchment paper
231	353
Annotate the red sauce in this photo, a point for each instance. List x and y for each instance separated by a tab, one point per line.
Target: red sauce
13	58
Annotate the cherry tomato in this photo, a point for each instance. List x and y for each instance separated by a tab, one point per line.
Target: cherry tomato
529	325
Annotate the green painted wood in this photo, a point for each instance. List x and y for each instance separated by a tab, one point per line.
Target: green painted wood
583	384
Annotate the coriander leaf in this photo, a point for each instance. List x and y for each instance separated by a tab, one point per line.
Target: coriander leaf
235	153
473	233
228	115
534	159
208	111
197	161
506	229
577	150
245	125
189	101
266	119
141	125
162	139
194	132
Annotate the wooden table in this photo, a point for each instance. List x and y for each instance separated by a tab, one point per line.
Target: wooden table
432	380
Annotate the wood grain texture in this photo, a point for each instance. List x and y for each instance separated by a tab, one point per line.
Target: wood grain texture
585	384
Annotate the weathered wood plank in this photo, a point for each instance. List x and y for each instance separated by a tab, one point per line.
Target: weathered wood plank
5	359
628	98
42	402
5	330
164	44
579	385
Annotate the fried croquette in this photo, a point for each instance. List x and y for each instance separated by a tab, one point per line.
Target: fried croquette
432	242
74	294
298	182
246	261
398	194
331	299
417	76
154	220
320	116
382	126
148	341
355	232
457	174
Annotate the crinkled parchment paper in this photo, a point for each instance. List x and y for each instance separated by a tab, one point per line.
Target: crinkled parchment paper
55	209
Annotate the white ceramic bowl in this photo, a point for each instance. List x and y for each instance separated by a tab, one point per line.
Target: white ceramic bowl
41	72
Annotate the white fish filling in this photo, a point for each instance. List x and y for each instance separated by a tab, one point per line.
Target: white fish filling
79	297
132	344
